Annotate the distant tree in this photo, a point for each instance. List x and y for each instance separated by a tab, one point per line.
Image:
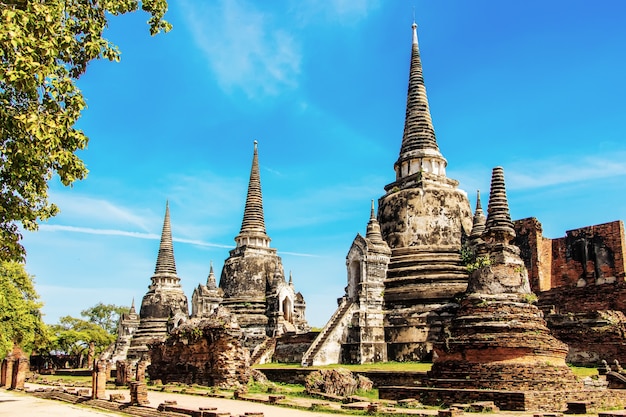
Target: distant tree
105	316
45	46
75	337
20	316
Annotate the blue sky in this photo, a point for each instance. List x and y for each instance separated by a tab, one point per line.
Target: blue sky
536	87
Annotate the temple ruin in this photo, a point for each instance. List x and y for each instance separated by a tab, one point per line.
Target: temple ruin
426	222
407	277
252	289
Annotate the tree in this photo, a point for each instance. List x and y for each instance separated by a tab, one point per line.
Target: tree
20	318
45	46
105	316
75	337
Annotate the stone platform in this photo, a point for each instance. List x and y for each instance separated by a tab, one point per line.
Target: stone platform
508	400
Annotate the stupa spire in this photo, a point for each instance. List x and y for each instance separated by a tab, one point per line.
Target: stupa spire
373	228
165	264
419	150
498	227
211	283
478	224
253	226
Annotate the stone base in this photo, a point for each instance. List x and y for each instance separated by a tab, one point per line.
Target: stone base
502	376
508	400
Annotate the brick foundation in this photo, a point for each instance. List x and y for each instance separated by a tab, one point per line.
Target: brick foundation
508	400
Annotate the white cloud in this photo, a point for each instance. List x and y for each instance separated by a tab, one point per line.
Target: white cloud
543	173
125	233
247	48
91	209
553	172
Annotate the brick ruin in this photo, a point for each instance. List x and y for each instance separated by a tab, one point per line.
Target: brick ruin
13	369
580	282
206	351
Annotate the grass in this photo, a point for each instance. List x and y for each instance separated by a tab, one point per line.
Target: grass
582	372
67	379
380	366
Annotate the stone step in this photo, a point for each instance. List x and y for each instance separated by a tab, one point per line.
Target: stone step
425	279
427	270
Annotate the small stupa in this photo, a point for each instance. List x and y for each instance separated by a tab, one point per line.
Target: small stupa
498	338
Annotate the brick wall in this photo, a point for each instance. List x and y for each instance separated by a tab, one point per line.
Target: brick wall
591	255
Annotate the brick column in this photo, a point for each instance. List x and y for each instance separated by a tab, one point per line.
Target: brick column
138	393
99	380
3	373
121	374
140	375
20	368
9	362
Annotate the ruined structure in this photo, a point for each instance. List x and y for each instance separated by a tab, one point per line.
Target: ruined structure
253	280
355	333
580	281
210	349
13	369
423	218
498	338
164	306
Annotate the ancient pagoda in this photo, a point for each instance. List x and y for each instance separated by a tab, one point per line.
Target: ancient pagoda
253	279
206	298
423	217
355	333
498	338
164	306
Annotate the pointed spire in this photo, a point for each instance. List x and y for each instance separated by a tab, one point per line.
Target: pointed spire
132	310
290	279
165	264
211	283
253	226
478	225
419	151
418	126
498	227
373	228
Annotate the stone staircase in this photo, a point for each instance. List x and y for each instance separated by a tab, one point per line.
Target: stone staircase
327	335
262	350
